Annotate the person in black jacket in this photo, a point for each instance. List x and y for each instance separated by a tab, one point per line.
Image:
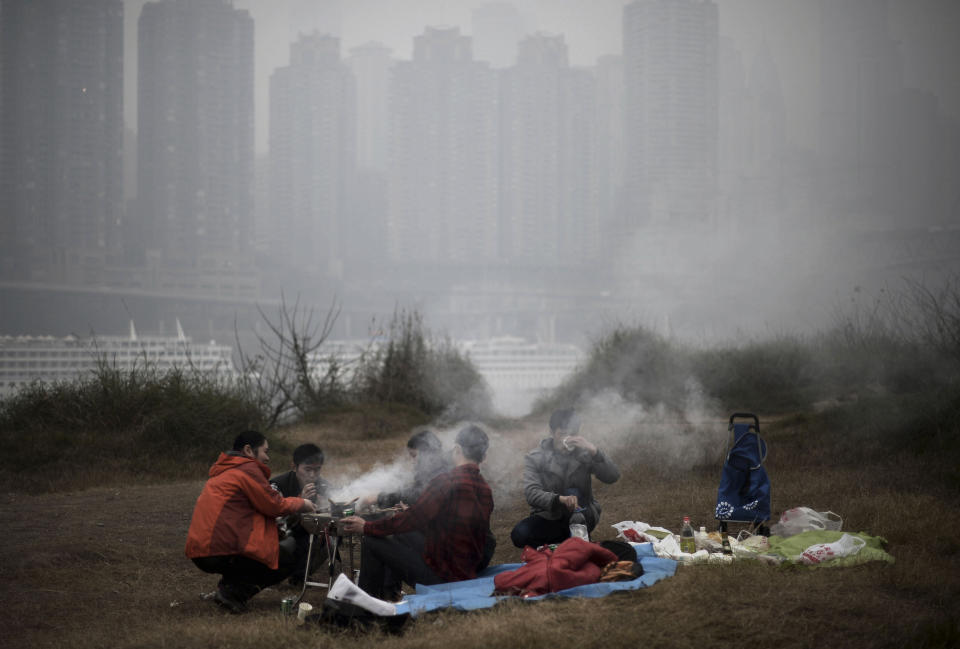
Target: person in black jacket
303	480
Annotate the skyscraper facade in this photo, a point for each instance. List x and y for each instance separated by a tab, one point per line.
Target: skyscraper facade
610	144
443	154
370	64
579	200
531	123
312	154
497	29
860	78
753	149
195	134
61	138
670	54
548	188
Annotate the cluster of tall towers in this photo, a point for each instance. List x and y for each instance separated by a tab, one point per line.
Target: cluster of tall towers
472	154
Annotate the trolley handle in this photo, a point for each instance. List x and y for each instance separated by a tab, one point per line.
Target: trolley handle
746	415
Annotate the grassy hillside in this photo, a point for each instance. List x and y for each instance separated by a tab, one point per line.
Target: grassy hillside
105	566
862	420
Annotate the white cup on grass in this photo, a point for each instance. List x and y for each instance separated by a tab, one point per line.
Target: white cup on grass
302	613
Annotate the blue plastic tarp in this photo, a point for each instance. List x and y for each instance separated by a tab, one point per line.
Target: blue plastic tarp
476	593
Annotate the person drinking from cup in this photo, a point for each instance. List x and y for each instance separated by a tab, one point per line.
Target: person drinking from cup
303	480
557	482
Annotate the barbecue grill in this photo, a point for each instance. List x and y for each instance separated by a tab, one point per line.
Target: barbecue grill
326	524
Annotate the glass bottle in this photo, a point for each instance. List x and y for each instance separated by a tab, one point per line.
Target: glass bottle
578	526
687	542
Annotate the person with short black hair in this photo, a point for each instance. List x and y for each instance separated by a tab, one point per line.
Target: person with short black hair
429	460
233	531
303	480
557	481
453	512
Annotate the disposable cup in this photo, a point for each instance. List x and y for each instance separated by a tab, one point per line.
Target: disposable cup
302	613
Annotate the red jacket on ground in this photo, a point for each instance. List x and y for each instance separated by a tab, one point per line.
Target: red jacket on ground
575	562
236	512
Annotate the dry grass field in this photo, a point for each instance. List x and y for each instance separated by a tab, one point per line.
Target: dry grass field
104	566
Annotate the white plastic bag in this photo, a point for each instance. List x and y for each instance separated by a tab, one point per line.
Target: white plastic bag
667	548
846	546
753	542
640	532
803	519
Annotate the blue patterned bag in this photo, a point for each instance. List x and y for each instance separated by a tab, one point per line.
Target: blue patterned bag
744	492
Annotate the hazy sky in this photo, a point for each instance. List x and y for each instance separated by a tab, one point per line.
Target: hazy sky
928	30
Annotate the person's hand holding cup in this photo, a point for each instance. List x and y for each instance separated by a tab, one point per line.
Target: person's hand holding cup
352	525
574	442
309	491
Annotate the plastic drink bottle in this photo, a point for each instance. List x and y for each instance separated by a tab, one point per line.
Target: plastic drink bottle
578	526
701	538
687	542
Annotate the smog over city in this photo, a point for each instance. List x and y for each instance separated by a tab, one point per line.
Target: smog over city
479	323
538	171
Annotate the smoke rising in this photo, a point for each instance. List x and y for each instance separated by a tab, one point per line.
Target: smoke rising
658	438
352	482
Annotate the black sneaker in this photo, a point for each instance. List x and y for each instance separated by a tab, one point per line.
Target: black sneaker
232	605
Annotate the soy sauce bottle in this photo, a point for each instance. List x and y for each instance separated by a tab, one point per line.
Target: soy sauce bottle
688	543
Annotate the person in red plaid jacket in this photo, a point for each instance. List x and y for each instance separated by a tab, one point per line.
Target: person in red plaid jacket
453	512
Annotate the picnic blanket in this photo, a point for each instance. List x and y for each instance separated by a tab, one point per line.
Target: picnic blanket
477	593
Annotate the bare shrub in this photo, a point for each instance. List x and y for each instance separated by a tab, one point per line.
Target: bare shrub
411	367
902	342
934	315
634	362
280	376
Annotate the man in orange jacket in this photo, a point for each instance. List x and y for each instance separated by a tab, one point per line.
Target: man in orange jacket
233	532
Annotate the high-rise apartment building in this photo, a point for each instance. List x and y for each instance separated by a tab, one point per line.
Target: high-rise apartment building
312	155
61	138
195	135
860	78
610	144
531	121
733	149
366	245
497	29
548	188
579	200
370	64
753	151
443	154
670	54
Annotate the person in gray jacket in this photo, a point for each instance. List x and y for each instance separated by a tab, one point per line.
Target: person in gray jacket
557	482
